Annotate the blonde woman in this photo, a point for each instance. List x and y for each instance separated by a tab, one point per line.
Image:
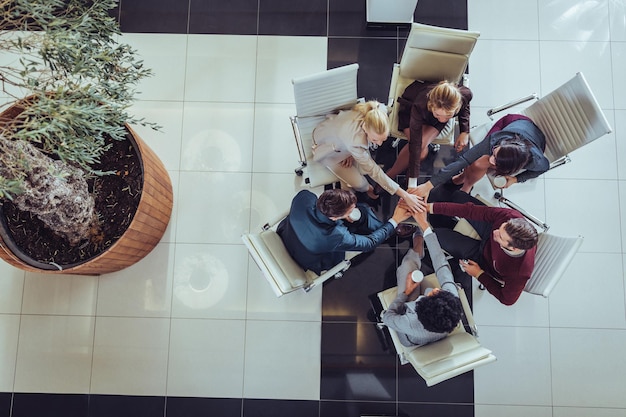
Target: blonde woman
425	109
342	143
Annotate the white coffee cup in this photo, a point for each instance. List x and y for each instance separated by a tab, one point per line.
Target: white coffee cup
417	276
355	215
499	181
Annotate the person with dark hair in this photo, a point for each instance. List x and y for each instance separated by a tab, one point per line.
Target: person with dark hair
504	257
513	149
433	315
318	231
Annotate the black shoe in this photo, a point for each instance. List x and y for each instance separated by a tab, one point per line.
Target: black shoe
433	147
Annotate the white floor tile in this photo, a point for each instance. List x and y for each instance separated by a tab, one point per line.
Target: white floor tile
264	305
620	139
586	412
9	332
282	360
210	281
142	290
574	20
54	354
11	288
213	207
618	59
516	19
584	161
523	361
622	212
587	370
617	21
271	198
570	202
60	294
560	61
274	143
283	58
529	310
585	283
492	86
481	410
130	356
165	55
206	358
217	137
220	68
166	141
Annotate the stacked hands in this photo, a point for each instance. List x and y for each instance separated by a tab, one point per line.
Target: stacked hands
404	211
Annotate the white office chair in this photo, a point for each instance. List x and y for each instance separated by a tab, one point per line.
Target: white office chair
316	96
569	117
453	355
553	256
278	267
431	54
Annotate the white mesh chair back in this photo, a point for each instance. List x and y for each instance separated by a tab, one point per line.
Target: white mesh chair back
570	117
554	254
433	53
316	96
320	94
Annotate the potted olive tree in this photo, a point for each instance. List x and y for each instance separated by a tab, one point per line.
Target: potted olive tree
68	156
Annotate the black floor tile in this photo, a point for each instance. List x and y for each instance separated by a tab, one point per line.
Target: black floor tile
154	16
436	410
356	409
126	406
444	13
50	405
5	404
233	17
412	388
375	58
279	408
203	407
293	18
348	18
354	364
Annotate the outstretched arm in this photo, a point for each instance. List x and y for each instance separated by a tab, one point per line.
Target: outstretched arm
438	257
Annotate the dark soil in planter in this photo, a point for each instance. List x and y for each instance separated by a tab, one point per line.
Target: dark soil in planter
116	199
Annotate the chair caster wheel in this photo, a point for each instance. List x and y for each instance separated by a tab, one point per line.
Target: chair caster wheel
338	275
299	172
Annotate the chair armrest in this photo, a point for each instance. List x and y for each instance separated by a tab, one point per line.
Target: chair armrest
510	104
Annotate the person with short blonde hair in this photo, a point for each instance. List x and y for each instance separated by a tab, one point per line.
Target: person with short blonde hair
342	143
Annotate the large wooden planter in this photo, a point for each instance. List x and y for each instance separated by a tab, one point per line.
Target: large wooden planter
143	234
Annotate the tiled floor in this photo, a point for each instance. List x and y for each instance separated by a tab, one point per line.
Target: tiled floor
193	329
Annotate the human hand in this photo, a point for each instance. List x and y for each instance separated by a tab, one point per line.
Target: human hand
413	202
422	190
509	181
421	220
401	213
470	267
410	285
461	141
347	163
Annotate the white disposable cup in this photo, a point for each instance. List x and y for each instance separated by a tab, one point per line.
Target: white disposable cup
355	215
499	181
417	276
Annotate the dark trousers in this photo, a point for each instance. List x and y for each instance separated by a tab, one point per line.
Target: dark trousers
456	244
